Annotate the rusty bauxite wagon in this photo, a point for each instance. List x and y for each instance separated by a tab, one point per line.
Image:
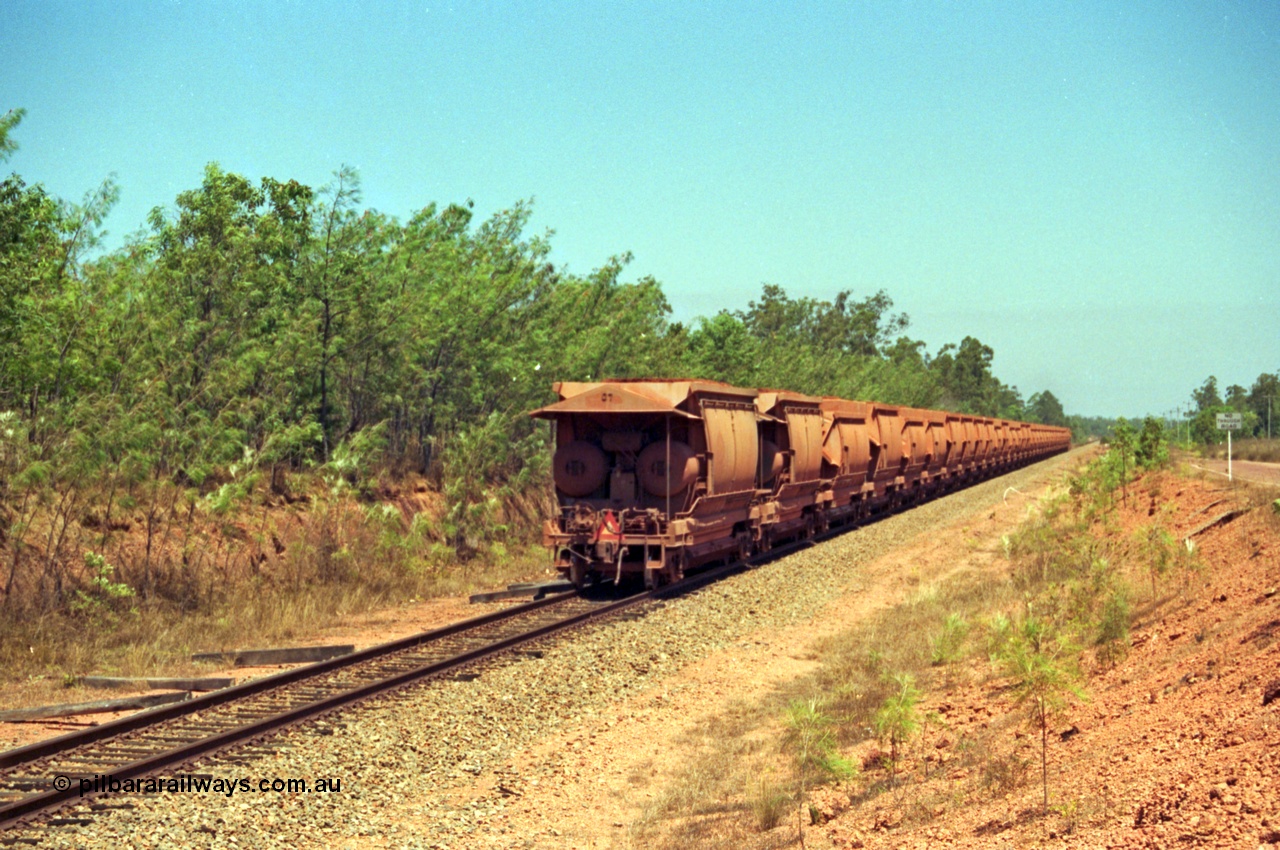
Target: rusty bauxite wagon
654	477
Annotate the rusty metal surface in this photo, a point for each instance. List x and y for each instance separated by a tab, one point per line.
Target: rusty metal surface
803	418
659	479
805	427
579	468
733	446
635	396
610	399
772	462
791	428
660	476
961	444
915	443
888	436
855	444
847	435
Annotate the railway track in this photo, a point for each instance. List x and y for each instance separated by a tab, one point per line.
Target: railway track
38	779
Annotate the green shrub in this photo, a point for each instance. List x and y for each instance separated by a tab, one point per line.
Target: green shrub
1152	448
1112	635
948	643
1039	663
897	719
999	630
810	735
104	594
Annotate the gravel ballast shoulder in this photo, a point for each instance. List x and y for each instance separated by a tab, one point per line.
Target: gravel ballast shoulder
403	761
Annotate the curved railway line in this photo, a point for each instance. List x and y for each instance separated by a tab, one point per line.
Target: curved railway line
163	740
166	738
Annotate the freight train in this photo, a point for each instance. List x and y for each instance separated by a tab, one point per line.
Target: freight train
657	477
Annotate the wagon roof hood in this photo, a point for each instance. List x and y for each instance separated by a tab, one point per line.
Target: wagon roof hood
611	398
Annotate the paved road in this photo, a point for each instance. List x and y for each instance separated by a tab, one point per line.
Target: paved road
1245	470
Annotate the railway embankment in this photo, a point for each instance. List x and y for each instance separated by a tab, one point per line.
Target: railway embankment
485	761
671	729
1168	735
1173	738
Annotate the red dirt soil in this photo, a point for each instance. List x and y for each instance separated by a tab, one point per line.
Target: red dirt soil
1243	470
1177	745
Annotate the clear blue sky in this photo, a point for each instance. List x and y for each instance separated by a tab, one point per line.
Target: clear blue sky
1091	188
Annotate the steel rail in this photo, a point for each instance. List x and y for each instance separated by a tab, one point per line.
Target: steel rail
14	812
30	808
62	743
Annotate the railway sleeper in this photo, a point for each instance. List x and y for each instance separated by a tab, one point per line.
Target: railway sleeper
131	752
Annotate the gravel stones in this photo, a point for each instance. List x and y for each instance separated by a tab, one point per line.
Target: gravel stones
409	763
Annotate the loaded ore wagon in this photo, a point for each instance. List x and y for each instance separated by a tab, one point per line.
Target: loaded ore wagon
656	477
651	477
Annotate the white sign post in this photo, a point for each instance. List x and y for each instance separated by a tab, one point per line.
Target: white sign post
1229	422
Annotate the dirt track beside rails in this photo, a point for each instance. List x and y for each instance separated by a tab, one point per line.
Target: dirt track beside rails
590	784
1173	748
461	764
574	747
594	796
1245	470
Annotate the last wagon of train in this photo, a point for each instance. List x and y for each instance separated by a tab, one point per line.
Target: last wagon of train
656	477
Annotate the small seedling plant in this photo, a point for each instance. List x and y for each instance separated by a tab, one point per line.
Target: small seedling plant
897	720
1044	679
810	735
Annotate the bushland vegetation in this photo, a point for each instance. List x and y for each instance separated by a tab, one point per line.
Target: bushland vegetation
1194	425
1257	406
272	389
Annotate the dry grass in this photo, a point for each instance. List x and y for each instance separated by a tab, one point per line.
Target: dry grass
203	580
1263	450
158	641
735	784
740	788
720	800
769	802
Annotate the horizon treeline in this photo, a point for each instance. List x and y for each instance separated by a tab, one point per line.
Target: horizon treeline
1257	404
278	320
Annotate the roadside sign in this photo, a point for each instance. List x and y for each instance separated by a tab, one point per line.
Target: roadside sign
1230	422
